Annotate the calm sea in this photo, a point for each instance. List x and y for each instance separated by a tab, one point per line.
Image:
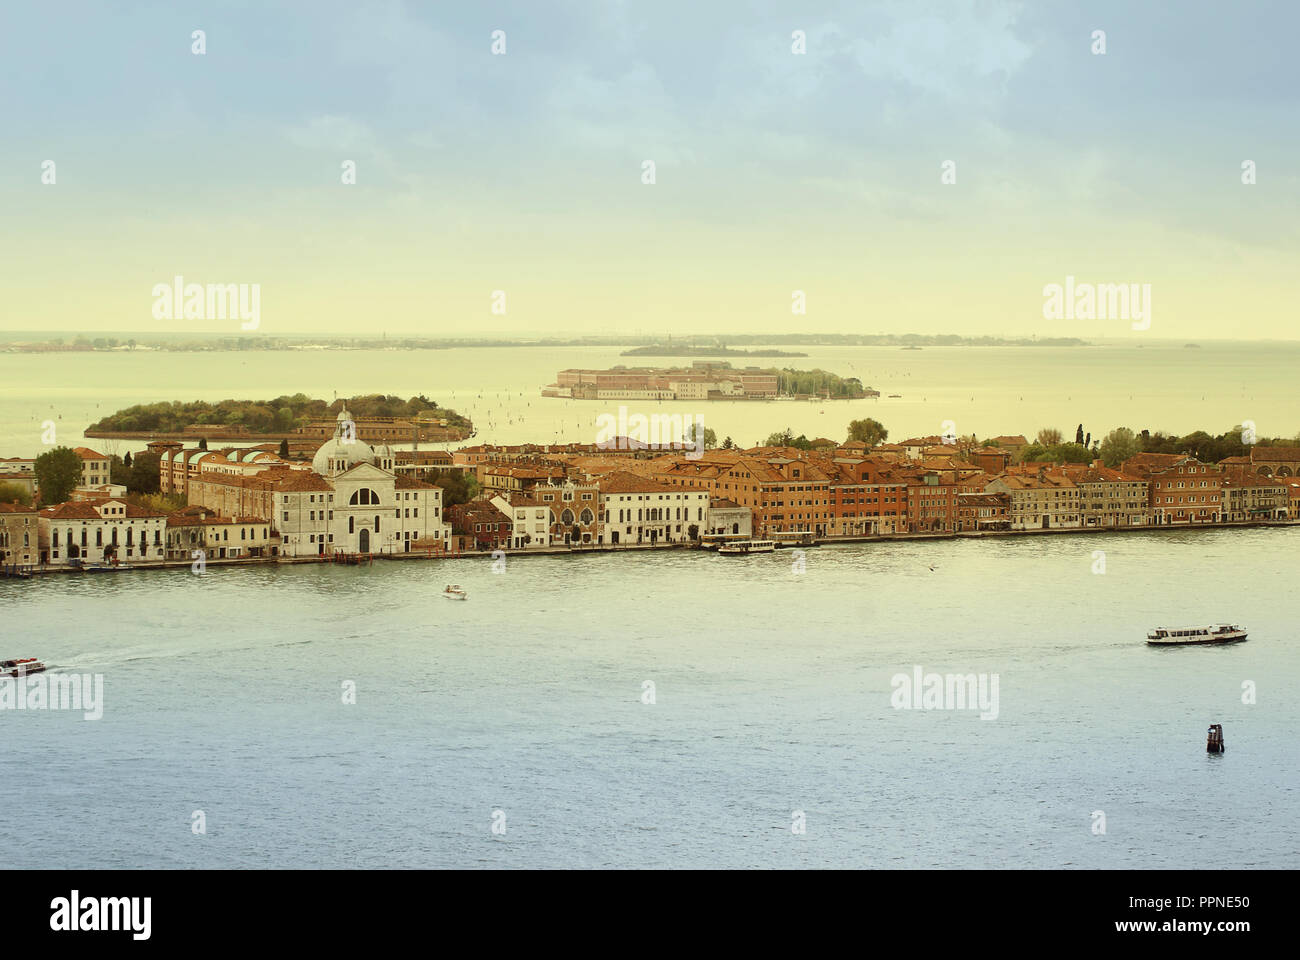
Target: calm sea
772	694
988	391
524	706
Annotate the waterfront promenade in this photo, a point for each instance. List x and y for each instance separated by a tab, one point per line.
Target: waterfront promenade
27	571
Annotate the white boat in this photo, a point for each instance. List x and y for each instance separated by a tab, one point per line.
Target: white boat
745	547
16	668
454	592
1223	633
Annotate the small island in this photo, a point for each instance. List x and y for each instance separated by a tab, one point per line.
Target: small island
378	418
705	380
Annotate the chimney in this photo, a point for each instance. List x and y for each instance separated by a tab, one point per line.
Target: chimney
1096	464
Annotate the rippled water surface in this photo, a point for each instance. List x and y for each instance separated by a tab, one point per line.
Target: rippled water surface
223	693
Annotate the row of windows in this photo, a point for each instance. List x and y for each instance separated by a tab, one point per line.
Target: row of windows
56	536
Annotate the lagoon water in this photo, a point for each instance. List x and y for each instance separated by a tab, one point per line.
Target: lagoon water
772	689
1157	385
223	693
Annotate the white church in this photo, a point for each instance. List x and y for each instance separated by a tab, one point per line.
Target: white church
354	502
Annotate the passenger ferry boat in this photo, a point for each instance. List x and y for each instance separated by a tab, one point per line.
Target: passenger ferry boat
794	538
745	547
454	592
1223	633
711	541
12	668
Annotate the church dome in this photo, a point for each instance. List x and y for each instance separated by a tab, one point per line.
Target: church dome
343	451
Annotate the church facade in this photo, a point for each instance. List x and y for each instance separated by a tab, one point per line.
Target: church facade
354	502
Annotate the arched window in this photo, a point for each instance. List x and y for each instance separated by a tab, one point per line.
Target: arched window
364	497
376	524
587	517
566	517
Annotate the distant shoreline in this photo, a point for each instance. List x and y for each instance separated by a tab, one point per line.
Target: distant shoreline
686	346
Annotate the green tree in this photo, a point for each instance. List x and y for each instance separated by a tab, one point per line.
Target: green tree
15	493
119	471
203	443
1048	437
57	472
457	486
868	431
284	449
710	437
1118	445
728	444
144	474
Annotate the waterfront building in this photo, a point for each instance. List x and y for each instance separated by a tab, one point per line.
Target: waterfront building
348	500
865	499
640	510
1038	501
1181	488
931	501
575	511
983	511
1110	498
1293	498
1255	498
728	517
367	507
101	531
19	534
219	538
530	520
482	524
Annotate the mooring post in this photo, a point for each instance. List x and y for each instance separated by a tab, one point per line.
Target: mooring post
1214	739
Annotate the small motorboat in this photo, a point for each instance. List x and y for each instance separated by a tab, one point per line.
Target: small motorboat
1223	633
454	592
19	668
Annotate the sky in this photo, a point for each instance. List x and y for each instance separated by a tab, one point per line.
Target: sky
524	171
